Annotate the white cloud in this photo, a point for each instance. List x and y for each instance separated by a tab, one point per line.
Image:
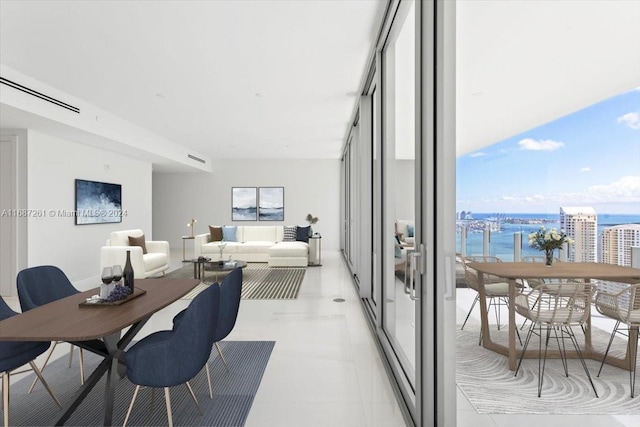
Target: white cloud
631	119
478	154
626	189
585	169
623	192
540	145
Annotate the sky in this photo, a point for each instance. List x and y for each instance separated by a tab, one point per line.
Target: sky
589	158
244	197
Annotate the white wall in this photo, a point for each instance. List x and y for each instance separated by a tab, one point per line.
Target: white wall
310	186
53	165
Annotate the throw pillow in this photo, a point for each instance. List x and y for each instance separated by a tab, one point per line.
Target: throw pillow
215	234
290	233
302	234
229	233
410	230
138	241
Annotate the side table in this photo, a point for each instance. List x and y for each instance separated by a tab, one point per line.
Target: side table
185	238
315	251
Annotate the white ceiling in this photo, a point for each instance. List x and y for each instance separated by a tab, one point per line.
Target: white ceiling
278	79
244	79
524	63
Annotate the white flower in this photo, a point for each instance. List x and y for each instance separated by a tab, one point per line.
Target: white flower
548	240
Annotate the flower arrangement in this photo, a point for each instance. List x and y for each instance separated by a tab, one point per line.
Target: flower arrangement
191	223
221	247
311	219
548	241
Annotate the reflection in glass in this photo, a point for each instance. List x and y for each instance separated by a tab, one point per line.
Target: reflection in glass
398	78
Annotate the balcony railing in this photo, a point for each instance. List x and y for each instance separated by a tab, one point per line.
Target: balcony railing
511	248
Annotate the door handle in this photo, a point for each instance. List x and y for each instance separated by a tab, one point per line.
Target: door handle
413	263
448	279
407	271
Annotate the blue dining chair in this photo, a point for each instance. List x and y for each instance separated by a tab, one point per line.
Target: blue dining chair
44	284
168	358
14	354
230	294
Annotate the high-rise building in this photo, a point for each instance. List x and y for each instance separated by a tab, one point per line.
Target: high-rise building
581	225
616	243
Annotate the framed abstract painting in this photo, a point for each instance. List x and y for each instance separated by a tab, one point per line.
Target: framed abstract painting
244	204
271	204
97	202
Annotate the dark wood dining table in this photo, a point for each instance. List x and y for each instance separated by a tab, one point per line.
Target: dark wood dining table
518	271
67	320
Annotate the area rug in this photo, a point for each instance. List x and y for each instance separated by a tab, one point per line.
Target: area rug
234	391
485	379
259	281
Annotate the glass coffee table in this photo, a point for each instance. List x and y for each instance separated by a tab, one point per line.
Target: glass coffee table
200	265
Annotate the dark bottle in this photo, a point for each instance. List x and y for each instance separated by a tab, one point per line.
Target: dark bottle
127	272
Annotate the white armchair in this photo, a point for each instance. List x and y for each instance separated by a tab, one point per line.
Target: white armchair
155	261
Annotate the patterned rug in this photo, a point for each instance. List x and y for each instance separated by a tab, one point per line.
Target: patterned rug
233	393
259	281
485	379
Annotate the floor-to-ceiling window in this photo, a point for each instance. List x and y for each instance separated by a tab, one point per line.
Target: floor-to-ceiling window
398	188
402	258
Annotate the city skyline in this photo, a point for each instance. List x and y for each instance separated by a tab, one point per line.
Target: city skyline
588	158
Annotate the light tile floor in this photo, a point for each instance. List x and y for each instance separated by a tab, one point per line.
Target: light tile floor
325	369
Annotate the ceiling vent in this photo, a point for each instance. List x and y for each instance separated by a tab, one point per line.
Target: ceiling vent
197	159
39	95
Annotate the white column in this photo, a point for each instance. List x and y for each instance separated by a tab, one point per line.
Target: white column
486	239
563	252
517	247
463	241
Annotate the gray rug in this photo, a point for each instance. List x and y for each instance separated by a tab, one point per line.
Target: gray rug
485	379
259	281
234	392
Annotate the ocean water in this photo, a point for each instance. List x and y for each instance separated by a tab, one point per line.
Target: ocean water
501	243
244	214
271	214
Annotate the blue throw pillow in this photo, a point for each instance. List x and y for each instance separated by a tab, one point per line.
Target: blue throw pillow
229	233
410	230
302	234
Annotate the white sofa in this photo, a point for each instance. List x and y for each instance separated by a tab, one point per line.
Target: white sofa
155	261
256	244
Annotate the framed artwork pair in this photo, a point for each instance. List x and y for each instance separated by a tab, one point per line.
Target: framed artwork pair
257	203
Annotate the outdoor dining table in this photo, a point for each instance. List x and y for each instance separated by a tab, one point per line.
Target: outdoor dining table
517	271
67	320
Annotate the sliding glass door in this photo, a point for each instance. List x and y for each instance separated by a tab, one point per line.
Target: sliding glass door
402	180
400	217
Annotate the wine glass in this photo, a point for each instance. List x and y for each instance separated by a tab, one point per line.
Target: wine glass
107	275
107	278
117	274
